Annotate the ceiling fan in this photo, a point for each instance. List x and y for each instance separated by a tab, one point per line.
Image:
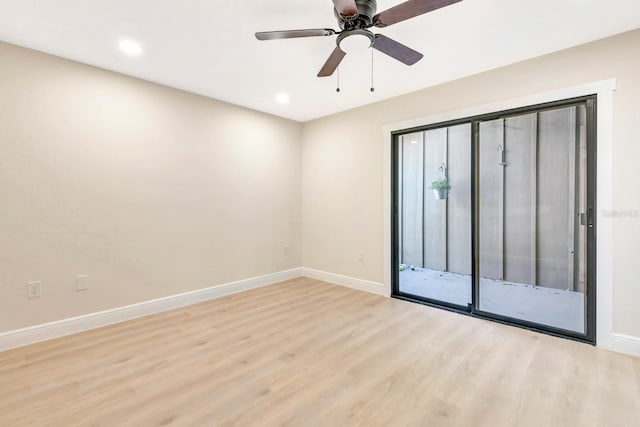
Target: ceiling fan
355	17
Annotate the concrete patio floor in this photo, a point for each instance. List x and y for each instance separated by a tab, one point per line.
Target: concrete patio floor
553	307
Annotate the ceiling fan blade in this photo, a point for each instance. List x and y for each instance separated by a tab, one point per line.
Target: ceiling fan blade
346	7
292	34
396	50
408	10
332	63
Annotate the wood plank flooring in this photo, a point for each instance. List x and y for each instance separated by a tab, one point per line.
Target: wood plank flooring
306	353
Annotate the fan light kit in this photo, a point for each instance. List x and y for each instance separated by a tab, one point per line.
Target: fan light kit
358	41
355	17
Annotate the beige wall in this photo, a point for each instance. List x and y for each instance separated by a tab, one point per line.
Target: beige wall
148	190
152	191
342	206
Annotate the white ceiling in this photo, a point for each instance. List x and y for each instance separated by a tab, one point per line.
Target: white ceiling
207	46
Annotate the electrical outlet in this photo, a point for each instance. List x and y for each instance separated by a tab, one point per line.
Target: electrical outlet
82	282
285	250
34	290
361	257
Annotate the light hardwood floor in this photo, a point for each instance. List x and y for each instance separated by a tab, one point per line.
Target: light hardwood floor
307	353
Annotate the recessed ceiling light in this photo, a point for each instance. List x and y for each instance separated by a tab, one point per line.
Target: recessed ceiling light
130	47
282	98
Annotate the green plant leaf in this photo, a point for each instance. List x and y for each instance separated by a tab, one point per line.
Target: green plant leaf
442	184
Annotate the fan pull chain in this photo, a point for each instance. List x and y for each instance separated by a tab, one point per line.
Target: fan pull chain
338	85
372	88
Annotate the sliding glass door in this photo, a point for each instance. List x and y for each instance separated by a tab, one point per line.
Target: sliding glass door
494	216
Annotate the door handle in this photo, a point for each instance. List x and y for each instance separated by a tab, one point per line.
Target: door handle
587	218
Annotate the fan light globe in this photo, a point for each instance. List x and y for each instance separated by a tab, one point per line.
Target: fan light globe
355	43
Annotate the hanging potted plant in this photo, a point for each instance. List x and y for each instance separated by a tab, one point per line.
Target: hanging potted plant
441	188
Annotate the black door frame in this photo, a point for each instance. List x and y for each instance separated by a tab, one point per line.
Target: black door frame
472	309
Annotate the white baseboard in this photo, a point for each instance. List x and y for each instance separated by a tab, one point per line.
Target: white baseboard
48	331
350	282
624	344
617	342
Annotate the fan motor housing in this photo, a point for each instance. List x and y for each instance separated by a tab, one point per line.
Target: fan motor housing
366	11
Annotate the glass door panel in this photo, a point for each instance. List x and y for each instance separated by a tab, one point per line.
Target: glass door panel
532	208
434	218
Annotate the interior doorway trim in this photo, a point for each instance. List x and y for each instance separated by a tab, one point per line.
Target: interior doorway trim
604	90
